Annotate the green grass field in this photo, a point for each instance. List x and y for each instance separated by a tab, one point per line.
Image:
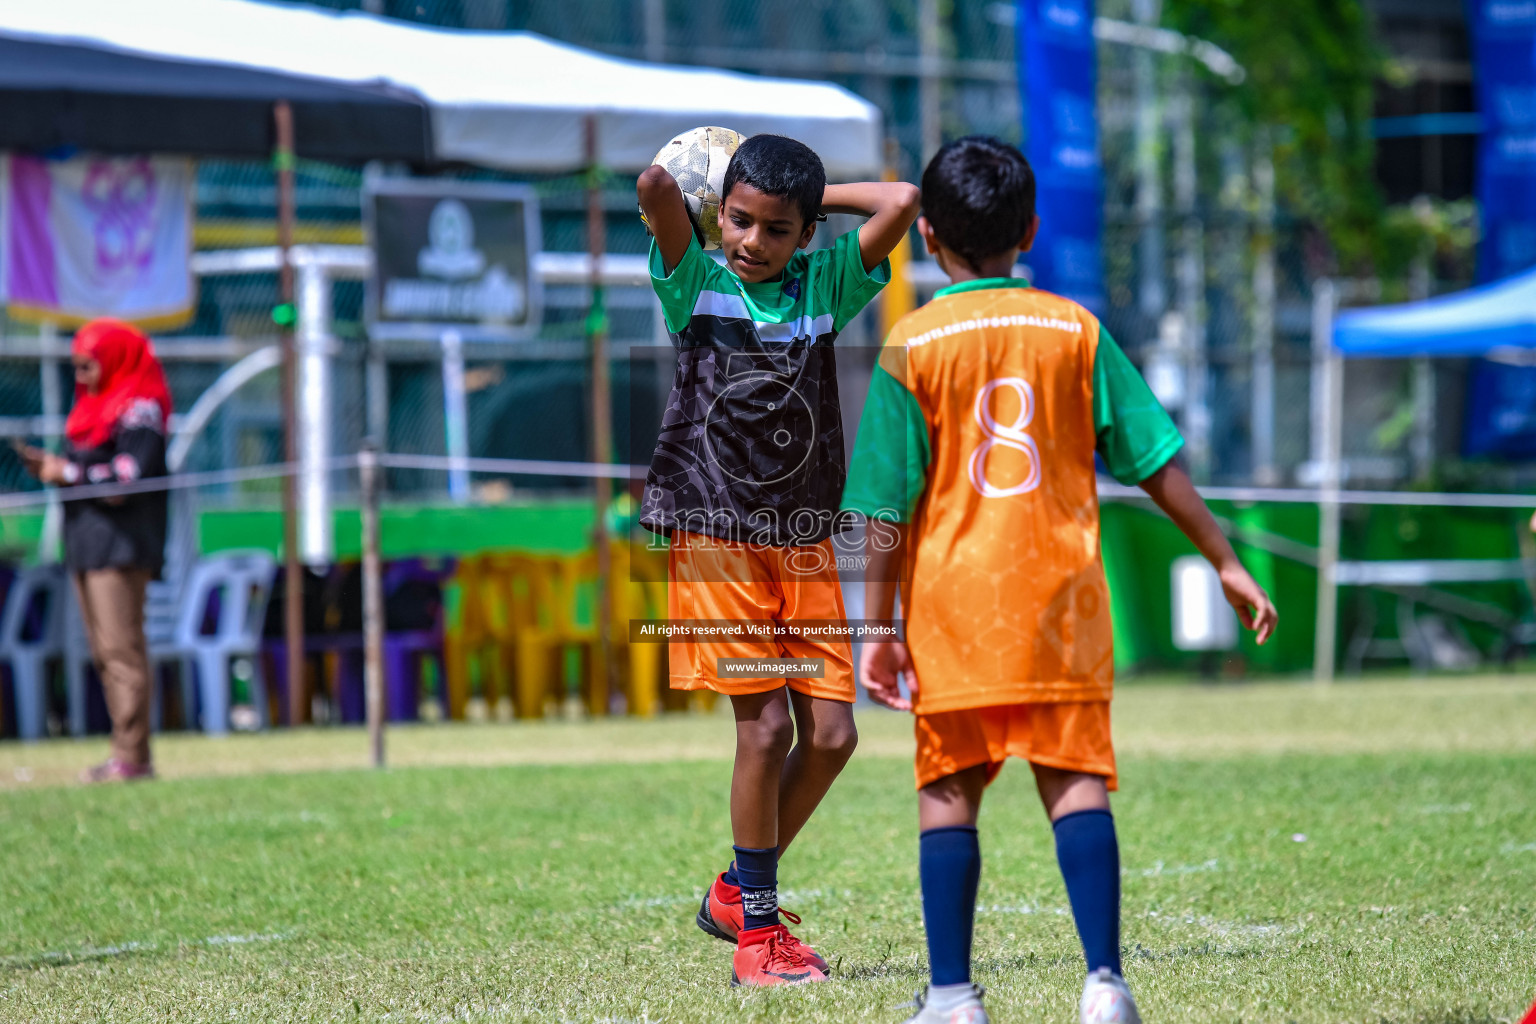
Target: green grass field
1364	855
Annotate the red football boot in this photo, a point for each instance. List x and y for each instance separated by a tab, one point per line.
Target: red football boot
769	956
720	915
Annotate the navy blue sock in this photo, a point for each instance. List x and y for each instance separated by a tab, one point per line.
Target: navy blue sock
730	876
949	864
1089	856
758	871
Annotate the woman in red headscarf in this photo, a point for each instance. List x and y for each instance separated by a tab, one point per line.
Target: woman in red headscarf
113	546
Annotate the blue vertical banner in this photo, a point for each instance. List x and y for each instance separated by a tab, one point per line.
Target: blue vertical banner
1504	55
1058	78
1501	400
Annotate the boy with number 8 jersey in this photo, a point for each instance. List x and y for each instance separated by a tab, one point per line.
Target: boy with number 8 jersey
975	465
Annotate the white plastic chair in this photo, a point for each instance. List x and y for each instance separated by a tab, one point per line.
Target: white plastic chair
29	657
77	659
162	605
244	580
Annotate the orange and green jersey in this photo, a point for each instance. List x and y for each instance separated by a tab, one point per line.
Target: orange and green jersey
983	419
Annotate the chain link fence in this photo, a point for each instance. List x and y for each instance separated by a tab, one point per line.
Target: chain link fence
1193	251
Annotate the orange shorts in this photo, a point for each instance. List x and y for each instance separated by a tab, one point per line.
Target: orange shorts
710	578
1070	736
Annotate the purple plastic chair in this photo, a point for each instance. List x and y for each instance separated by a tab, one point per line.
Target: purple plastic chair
413	636
408	645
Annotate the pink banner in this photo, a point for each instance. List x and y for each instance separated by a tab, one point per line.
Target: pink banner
99	236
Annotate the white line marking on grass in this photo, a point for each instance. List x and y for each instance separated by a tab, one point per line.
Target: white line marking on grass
786	896
1461	808
1158	869
638	902
1021	908
1224	928
1519	848
241	940
119	949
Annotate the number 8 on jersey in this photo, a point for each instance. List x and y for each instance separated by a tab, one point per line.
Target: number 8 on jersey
1009	436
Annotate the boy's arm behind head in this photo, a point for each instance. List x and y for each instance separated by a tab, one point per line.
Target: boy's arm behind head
661	201
891	207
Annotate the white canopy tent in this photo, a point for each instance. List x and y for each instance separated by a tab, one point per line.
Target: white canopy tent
509	100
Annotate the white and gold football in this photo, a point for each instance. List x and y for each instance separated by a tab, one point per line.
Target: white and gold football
698	159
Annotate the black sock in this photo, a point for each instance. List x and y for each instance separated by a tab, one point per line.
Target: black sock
1089	855
949	865
758	871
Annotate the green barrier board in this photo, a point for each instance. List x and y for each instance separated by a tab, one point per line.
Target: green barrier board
1139	547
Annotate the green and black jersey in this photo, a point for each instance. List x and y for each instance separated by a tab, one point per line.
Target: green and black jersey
751	444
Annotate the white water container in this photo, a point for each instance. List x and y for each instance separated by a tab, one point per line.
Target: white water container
1202	619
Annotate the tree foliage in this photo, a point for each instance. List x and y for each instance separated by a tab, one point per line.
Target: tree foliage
1311	67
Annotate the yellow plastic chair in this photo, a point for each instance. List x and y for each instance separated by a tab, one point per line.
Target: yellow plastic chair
546	593
639	595
484	633
645	578
463	631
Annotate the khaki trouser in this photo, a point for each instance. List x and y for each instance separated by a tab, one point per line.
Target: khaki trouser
112	605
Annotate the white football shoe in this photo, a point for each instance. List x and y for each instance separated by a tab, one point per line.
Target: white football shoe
968	1010
1107	1000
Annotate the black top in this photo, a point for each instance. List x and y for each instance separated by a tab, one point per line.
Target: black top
127	532
751	441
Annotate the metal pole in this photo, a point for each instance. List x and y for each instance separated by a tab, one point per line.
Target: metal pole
1152	294
1191	283
376	380
655	18
1265	473
1328	377
293	591
1422	442
373	602
930	113
313	338
455	414
602	428
50	544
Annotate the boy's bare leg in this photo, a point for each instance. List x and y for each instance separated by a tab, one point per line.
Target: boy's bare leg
825	741
952	801
764	733
766	954
1063	792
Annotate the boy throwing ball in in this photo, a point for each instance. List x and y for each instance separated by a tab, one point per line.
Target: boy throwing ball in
746	479
975	465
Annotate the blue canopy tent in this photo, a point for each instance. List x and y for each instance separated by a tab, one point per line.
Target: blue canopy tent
1475	322
1496	320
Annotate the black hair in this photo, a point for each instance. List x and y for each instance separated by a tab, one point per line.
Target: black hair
979	197
777	166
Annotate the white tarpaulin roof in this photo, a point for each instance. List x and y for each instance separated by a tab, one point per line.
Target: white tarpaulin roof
510	100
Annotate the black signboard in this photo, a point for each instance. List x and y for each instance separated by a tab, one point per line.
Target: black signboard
452	256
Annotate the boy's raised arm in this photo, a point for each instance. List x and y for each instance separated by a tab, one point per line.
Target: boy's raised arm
891	207
1171	488
665	212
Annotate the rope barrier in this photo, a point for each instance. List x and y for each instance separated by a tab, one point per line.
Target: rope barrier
1108	489
1113	491
274	470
